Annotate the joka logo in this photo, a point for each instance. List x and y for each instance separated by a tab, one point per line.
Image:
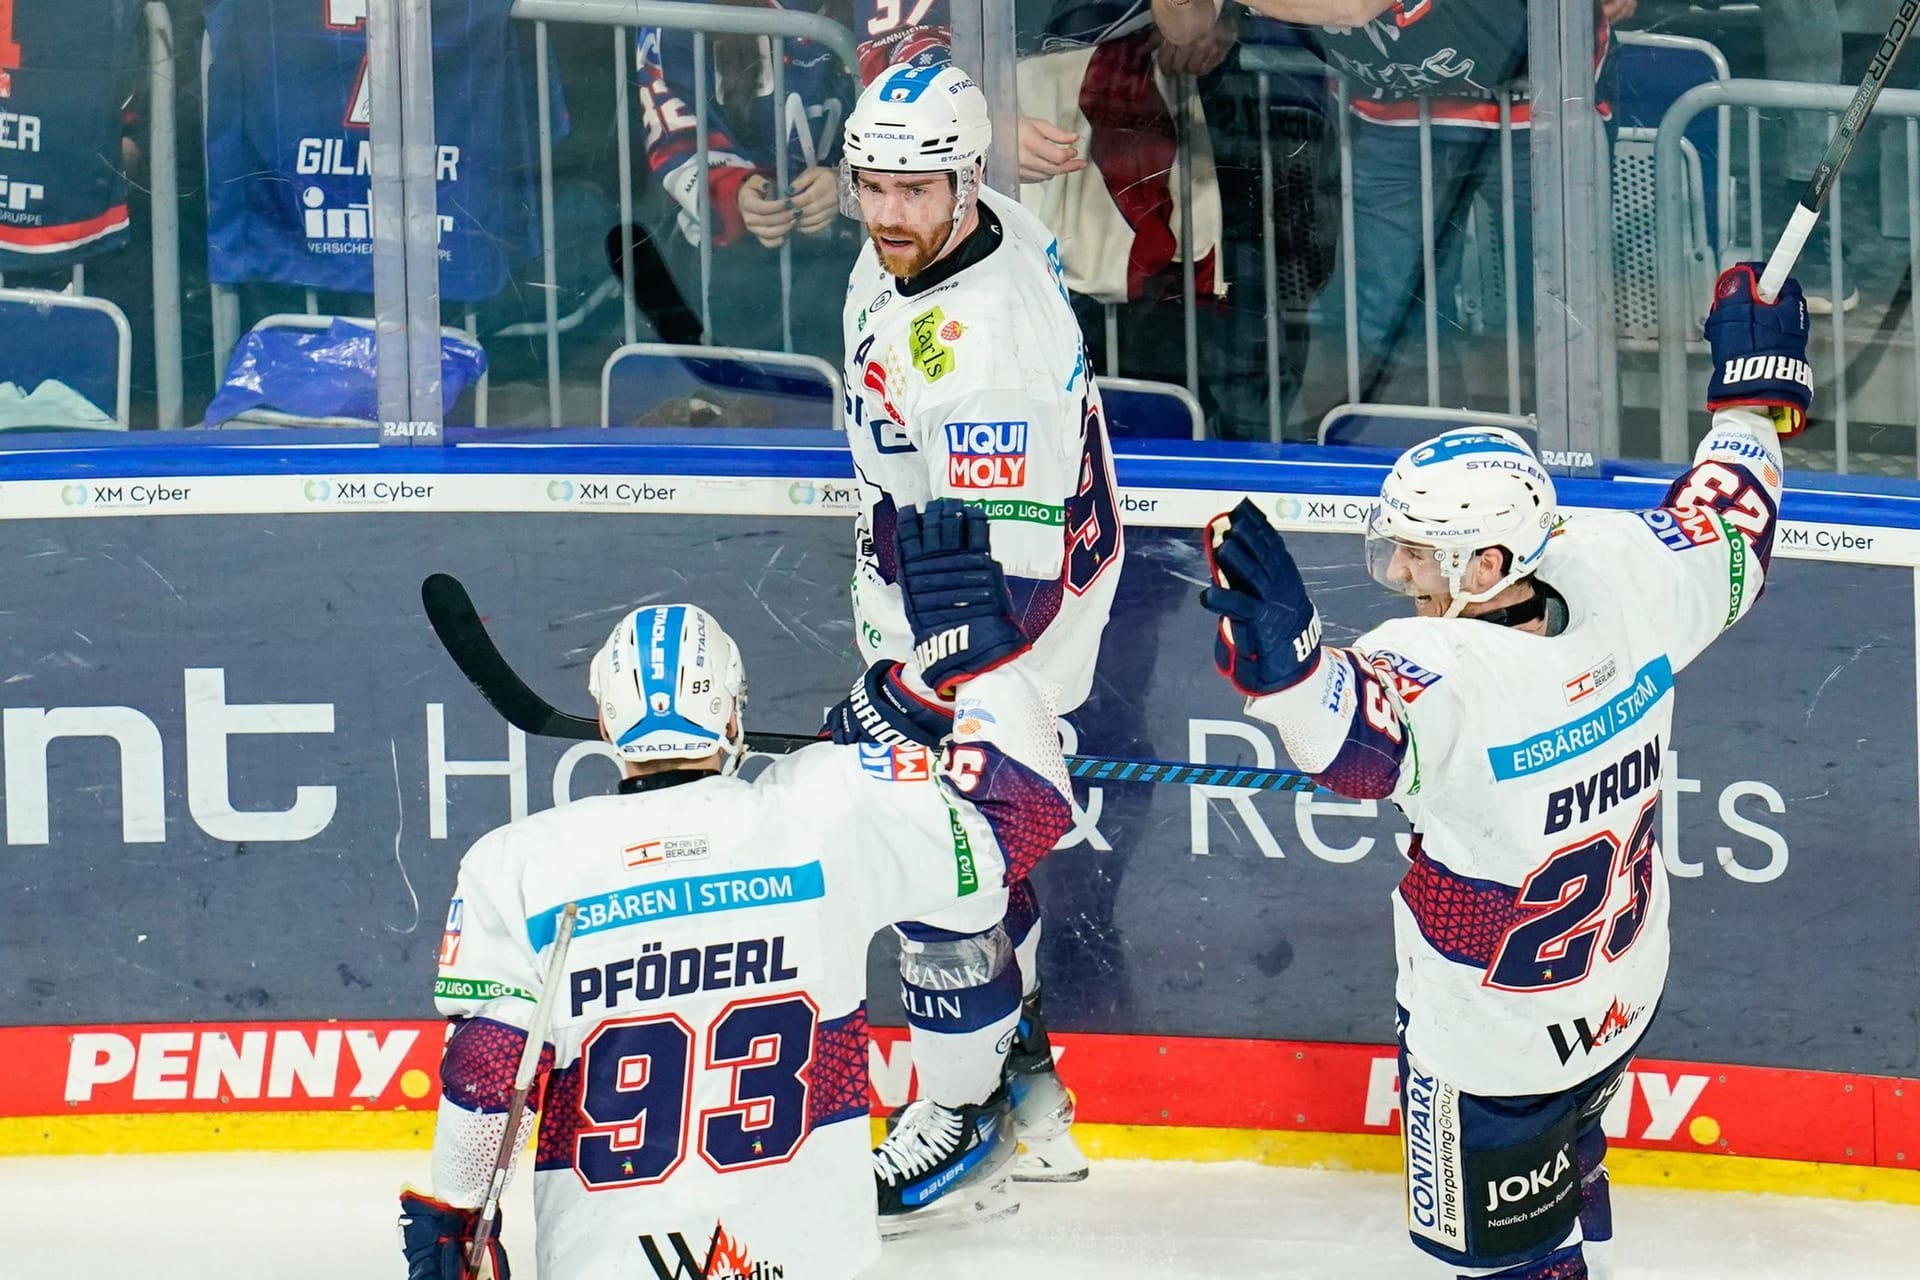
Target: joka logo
726	1259
318	490
74	495
559	491
1583	1037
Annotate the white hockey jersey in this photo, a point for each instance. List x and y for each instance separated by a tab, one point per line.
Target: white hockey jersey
707	1109
1531	929
976	386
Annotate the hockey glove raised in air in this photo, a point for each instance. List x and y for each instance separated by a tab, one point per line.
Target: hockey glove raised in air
882	709
1269	636
1760	349
435	1237
955	594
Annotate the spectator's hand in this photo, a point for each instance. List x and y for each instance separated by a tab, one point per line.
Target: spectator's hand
769	219
1204	54
1618	10
1047	150
816	199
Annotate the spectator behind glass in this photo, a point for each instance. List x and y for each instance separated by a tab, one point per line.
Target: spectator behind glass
1454	54
751	219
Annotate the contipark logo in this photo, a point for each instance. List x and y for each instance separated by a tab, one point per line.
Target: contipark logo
624	495
384	492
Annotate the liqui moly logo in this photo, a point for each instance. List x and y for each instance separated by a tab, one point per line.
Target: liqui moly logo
986	455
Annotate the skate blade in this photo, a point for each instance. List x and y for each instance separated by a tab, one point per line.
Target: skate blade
987	1203
1056	1159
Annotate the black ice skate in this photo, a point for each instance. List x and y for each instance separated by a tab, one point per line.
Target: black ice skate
1042	1107
942	1166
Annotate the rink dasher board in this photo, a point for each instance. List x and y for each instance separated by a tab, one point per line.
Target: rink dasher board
326	493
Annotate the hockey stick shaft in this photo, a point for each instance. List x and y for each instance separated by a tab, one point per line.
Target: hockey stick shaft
1839	147
523	1084
454	619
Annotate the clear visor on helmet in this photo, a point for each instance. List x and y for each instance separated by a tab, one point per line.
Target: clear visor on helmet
1408	567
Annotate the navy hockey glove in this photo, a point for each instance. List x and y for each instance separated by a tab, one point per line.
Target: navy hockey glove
882	709
1759	348
955	594
435	1238
1269	636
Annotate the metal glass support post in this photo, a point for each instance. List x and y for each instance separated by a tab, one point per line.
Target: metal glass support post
983	48
1566	168
164	171
387	195
420	178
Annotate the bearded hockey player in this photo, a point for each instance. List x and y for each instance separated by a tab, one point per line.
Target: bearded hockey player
706	1112
966	378
1519	722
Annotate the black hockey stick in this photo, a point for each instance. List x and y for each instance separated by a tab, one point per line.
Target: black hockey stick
450	611
1839	147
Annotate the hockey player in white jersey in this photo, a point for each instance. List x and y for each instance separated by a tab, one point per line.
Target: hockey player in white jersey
967	378
706	1111
1520	721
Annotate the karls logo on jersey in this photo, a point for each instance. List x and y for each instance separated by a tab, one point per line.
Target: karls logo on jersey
931	354
986	455
654	853
672	1258
1582	1037
1590	682
1436	1183
450	940
1683	530
907	762
1408	678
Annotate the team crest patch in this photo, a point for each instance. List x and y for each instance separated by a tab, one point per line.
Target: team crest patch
907	762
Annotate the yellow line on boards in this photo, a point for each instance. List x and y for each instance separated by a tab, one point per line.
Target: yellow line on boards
1372	1153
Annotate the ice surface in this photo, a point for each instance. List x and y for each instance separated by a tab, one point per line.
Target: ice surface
324	1217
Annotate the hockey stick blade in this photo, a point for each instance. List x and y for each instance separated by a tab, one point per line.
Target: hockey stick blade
1792	240
450	611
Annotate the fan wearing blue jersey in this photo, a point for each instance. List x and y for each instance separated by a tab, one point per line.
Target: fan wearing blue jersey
705	1105
1519	721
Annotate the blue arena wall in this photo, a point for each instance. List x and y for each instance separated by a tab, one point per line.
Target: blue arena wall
238	773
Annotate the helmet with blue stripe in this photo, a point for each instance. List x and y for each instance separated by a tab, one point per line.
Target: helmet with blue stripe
1460	493
918	117
670	685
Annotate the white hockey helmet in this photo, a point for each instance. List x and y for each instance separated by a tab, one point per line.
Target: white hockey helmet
918	119
670	685
1457	494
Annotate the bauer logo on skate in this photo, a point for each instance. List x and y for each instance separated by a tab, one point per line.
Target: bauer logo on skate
986	455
